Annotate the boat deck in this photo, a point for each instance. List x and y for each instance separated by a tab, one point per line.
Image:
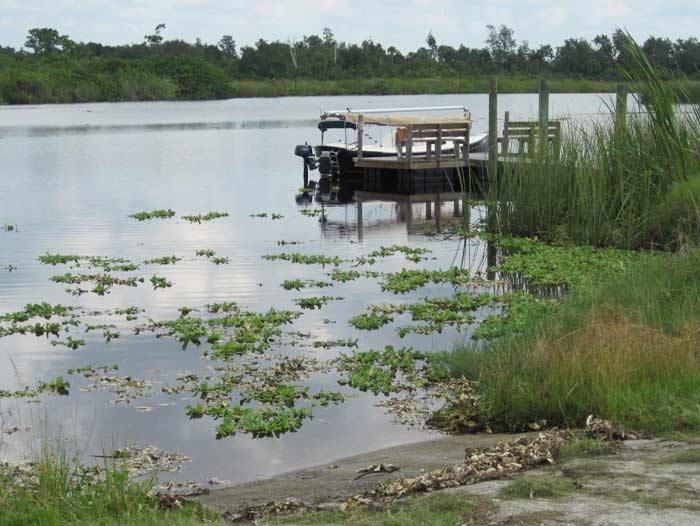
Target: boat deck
477	160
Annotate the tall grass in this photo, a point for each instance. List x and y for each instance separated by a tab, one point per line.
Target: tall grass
626	349
60	492
608	186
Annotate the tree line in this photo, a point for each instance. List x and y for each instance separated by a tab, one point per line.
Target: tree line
54	68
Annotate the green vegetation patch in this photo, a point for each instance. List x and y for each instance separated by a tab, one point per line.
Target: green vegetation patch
329	344
305	259
272	215
153	214
412	254
409	280
377	371
165	260
562	263
370	321
624	348
315	302
206	252
344	275
205	217
159	282
298	284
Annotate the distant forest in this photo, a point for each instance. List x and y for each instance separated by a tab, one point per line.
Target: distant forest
52	67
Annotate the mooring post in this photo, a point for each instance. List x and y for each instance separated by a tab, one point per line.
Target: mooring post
544	115
409	214
428	210
621	108
360	225
438	208
360	135
493	131
455	208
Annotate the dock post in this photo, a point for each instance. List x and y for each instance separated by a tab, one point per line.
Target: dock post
544	115
360	222
621	108
493	131
409	145
438	209
455	208
409	214
360	135
428	210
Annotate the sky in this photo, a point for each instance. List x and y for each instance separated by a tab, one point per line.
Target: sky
401	23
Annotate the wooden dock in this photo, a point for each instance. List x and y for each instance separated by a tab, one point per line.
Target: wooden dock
478	160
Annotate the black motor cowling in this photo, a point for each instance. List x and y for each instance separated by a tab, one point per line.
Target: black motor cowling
306	152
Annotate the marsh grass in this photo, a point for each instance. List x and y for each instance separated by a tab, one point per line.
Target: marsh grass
64	492
626	349
607	184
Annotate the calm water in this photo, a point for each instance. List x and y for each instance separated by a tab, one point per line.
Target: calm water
70	175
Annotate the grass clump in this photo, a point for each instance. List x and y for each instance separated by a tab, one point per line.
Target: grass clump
206	252
610	184
62	492
154	214
537	487
626	349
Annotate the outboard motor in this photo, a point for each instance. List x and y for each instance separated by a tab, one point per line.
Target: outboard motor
307	154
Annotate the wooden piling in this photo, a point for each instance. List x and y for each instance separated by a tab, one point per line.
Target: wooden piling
544	114
360	135
493	130
360	225
620	108
438	208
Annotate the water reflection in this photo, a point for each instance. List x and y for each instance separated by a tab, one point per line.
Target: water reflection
70	189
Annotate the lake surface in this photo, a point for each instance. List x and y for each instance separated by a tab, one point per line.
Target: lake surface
69	178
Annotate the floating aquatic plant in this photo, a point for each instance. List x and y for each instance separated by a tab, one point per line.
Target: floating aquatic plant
9	228
329	344
207	252
206	217
305	259
154	214
344	275
408	280
412	254
160	282
298	284
315	302
220	261
311	212
370	321
377	370
58	385
283	243
165	260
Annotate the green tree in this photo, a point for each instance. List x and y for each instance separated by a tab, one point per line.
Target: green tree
501	45
227	45
44	40
156	37
432	45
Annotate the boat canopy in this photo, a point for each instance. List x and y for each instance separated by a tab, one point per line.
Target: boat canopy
334	125
397	120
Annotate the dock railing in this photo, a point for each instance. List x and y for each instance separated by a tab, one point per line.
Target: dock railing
435	135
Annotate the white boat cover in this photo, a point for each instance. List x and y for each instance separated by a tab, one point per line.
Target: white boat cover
398	120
